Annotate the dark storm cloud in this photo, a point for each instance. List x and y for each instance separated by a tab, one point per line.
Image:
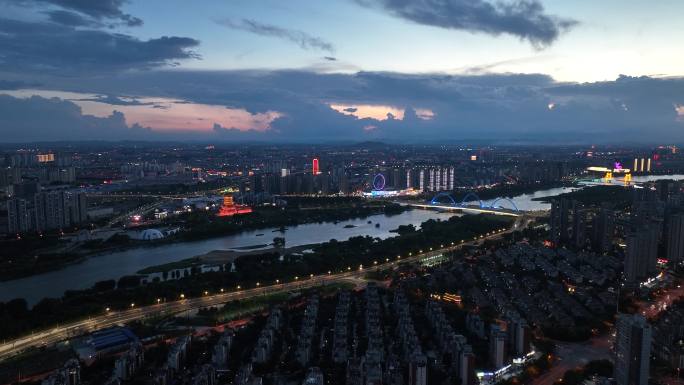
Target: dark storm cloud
525	19
101	10
47	47
302	39
38	118
501	108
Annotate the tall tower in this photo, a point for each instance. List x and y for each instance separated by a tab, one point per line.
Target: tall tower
632	350
315	168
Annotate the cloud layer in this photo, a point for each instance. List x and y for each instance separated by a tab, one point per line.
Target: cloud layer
85	12
525	19
65	50
300	106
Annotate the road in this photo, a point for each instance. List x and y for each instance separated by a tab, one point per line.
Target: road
575	355
73	329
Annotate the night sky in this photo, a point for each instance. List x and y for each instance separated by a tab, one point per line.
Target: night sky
407	71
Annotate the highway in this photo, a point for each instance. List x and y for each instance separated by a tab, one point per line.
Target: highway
73	329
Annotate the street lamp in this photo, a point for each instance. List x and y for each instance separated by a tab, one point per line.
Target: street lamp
132	304
206	292
107	310
221	290
158	300
258	284
277	281
182	296
238	287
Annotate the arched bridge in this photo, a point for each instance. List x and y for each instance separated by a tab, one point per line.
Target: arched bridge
471	201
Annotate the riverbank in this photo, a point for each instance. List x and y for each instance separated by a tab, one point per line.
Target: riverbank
221	257
267	268
112	266
196	227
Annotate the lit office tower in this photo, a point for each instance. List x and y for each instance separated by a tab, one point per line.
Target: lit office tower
431	184
636	165
315	169
642	165
642	251
632	350
421	180
648	165
674	237
451	178
438	180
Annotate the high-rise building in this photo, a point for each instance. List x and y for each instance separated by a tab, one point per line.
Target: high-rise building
674	237
418	370
641	256
19	218
560	220
315	169
451	179
632	350
519	337
579	216
52	210
497	346
604	230
314	376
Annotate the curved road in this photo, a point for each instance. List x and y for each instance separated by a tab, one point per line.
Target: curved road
73	329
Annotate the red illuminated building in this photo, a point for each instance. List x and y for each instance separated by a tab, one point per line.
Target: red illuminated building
315	170
229	208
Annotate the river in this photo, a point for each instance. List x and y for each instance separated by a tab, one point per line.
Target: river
116	264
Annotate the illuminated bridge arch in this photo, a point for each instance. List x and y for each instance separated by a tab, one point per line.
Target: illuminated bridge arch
493	205
473	197
435	199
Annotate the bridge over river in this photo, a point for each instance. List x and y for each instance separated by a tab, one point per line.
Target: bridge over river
470	203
